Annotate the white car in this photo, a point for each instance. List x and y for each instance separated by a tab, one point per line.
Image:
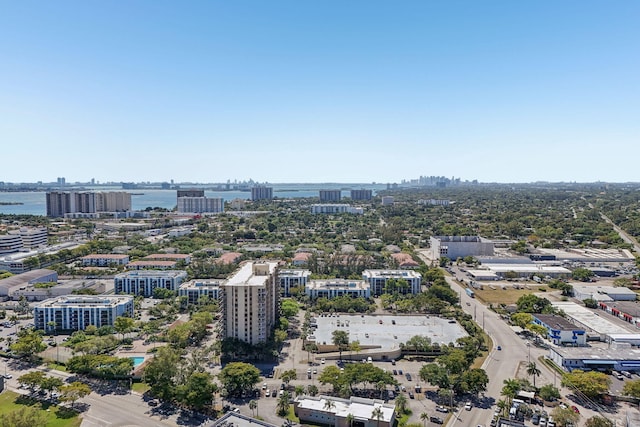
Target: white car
468	406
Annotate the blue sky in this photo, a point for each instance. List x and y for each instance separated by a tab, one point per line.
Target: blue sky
318	91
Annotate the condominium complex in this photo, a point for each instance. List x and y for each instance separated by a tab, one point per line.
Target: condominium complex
250	302
292	278
325	208
200	205
378	279
63	203
332	288
197	288
143	282
104	260
361	194
330	195
261	193
79	311
23	238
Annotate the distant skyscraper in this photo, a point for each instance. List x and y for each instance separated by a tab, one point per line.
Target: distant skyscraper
261	193
62	182
330	195
194	192
361	194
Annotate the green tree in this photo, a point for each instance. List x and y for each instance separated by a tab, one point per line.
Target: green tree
598	421
401	403
582	274
160	372
631	388
24	416
289	308
32	379
521	319
288	376
283	403
510	389
197	391
28	345
253	405
592	384
74	391
51	384
239	377
377	414
564	416
341	340
549	392
531	303
123	325
534	371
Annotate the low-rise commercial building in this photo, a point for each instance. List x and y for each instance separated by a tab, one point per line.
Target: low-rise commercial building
618	358
454	247
143	282
316	410
75	313
583	292
560	330
12	284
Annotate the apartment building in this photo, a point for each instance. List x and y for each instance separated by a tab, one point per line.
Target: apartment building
250	302
200	205
261	193
104	260
332	288
63	203
292	278
75	313
143	282
378	279
327	208
361	194
330	195
197	288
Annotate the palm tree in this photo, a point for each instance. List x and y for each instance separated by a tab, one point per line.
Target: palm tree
283	403
502	405
329	404
299	390
424	417
510	389
401	403
253	405
350	419
532	369
377	414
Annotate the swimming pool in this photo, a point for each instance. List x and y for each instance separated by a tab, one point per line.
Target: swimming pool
137	360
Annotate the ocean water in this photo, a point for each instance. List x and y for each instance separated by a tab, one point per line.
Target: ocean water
34	202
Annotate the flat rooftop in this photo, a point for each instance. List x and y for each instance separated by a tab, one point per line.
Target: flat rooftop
245	275
360	408
598	353
556	322
629	307
371	332
590	319
589	255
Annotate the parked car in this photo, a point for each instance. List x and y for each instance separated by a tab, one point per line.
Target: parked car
468	406
575	409
436	420
499	348
399	371
274	392
441	408
395	372
411	396
535	419
408	376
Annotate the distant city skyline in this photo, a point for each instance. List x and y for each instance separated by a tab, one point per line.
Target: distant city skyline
310	92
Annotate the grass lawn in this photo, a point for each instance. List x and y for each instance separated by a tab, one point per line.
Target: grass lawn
57	366
56	416
505	296
141	388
